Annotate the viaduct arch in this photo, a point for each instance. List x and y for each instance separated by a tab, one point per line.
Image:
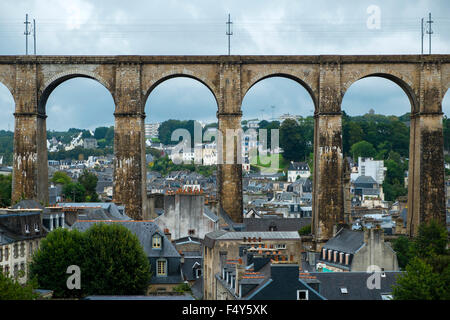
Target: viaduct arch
130	79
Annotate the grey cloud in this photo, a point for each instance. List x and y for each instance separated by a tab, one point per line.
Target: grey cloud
75	27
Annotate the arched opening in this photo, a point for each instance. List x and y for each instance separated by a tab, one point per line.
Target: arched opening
181	150
376	142
80	139
278	162
7	106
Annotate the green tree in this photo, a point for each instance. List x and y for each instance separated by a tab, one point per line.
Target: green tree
427	273
110	258
292	141
74	191
11	289
60	249
61	177
5	190
305	230
419	282
100	133
89	181
118	265
362	149
403	248
431	240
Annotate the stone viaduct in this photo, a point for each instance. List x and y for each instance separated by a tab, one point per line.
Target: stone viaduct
130	80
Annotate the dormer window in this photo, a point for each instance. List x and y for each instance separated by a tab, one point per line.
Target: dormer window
36	227
27	228
156	241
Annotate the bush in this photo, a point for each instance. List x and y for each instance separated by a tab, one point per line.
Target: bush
11	289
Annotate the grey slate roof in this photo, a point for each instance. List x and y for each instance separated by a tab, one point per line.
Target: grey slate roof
187	268
365	179
97	210
197	288
346	241
280	224
144	230
298	166
211	237
210	214
355	283
27	204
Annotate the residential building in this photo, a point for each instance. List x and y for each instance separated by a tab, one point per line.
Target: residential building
185	213
298	170
152	130
21	232
221	245
357	251
371	168
367	190
90	143
262	277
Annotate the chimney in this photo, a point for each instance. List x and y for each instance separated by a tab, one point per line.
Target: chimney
240	270
168	234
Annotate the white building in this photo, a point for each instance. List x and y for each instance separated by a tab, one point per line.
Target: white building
298	169
152	130
371	168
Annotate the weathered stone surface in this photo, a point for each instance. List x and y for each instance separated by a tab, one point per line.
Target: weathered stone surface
130	79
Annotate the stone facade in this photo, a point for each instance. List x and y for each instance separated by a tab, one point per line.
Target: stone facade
130	79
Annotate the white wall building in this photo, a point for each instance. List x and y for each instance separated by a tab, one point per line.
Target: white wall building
370	168
298	169
152	130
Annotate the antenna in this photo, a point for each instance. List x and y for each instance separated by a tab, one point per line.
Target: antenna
429	31
26	33
422	35
229	32
34	35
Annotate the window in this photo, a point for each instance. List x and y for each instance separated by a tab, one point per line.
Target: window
22	249
22	268
30	251
161	267
27	228
6	254
36	227
16	251
344	290
6	270
16	269
302	294
191	232
198	273
280	246
156	241
1	254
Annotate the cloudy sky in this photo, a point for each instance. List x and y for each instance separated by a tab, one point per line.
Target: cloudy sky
180	27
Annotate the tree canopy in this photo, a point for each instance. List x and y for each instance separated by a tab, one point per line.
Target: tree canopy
427	262
110	258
